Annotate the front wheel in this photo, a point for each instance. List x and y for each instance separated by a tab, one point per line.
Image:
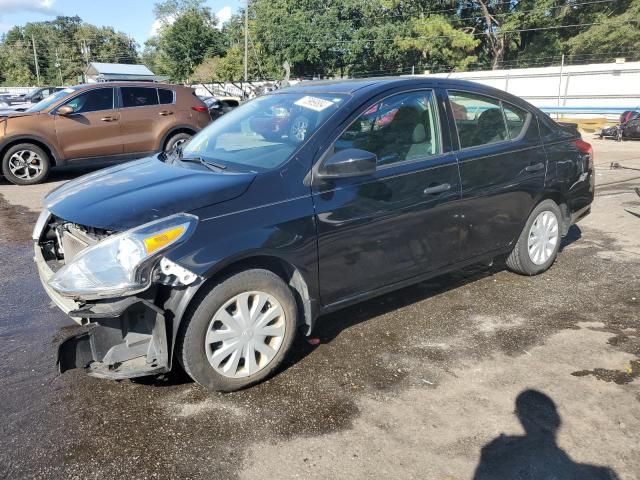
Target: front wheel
25	164
538	244
238	333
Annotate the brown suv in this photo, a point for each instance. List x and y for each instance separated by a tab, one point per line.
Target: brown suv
97	123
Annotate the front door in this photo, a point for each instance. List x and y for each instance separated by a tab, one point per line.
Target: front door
502	168
399	222
93	129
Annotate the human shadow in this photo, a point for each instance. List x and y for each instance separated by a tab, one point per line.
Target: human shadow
534	455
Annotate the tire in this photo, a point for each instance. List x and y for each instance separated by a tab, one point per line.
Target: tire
540	259
194	351
177	139
38	161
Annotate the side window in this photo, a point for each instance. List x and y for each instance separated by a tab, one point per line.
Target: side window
399	128
92	101
516	119
138	96
166	96
479	119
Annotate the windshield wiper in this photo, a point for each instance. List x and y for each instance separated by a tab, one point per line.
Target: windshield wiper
177	154
211	165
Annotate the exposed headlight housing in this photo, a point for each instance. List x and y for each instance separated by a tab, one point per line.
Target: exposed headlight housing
122	264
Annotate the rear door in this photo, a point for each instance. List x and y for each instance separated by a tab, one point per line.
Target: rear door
93	129
380	229
502	169
143	119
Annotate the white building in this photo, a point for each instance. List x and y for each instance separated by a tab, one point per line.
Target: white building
110	72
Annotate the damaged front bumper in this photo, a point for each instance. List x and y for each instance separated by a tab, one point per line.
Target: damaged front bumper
125	337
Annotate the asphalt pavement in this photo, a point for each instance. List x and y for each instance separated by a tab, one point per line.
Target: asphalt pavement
475	374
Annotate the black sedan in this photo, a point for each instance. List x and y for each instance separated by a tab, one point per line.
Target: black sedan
298	203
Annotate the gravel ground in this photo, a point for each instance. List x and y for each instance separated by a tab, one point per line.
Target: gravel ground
478	374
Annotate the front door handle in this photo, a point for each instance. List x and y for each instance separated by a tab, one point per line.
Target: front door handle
536	167
108	119
443	187
164	113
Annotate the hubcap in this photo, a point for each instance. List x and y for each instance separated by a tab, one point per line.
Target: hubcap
245	334
25	164
543	237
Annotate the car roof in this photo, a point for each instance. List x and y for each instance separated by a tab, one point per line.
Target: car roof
373	86
126	84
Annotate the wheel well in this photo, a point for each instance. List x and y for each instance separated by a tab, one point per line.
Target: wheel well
175	132
559	199
43	146
287	272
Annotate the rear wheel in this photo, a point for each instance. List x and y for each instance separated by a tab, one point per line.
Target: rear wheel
176	140
238	333
25	164
538	244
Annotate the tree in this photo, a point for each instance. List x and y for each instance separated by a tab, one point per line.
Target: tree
612	35
440	44
187	36
64	47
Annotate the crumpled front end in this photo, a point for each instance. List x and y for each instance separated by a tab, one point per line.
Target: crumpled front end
123	337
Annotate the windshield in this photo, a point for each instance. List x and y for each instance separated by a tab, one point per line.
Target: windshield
50	100
263	133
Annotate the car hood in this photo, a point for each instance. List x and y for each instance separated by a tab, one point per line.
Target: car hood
11	113
128	195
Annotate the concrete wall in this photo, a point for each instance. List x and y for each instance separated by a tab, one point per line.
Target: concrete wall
595	85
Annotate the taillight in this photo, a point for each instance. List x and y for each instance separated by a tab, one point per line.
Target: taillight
202	108
586	149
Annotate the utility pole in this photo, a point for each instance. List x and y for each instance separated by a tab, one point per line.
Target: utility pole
560	81
246	42
35	57
58	65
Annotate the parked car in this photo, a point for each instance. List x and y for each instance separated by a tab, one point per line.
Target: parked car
216	255
21	102
97	124
218	106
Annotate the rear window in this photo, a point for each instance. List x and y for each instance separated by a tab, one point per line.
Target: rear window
139	96
166	96
516	119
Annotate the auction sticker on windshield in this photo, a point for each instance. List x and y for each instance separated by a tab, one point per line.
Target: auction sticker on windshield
314	103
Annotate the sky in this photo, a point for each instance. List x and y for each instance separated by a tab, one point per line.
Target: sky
133	17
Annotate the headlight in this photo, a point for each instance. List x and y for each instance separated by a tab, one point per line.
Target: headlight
123	263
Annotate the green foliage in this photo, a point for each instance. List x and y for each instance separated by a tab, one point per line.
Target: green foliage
188	35
64	45
614	35
439	43
330	38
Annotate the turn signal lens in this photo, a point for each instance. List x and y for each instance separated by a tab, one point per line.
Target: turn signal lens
162	239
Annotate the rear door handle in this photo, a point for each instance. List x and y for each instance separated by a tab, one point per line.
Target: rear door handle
536	167
164	113
443	187
108	119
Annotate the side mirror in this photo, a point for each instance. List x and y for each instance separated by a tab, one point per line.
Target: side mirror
351	162
65	110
